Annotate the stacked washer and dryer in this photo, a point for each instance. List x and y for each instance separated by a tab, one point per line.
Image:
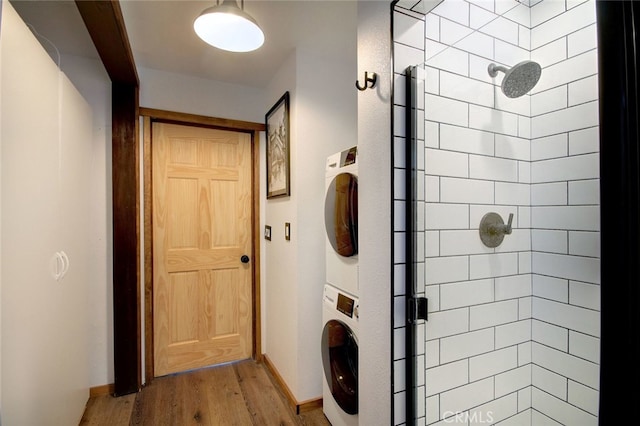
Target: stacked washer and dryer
340	297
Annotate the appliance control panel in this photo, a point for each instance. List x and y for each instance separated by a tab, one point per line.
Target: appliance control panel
341	302
345	305
342	159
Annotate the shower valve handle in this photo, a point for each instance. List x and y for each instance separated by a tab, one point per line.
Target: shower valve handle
506	229
501	228
493	229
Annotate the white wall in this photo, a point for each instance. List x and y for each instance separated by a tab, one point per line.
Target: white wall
322	122
374	185
182	93
327	117
45	198
92	81
280	257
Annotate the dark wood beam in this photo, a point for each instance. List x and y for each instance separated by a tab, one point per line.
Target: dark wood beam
105	24
106	27
126	232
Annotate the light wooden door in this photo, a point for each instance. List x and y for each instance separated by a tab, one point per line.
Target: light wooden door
202	291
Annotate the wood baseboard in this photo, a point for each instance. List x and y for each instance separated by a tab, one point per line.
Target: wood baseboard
299	406
102	390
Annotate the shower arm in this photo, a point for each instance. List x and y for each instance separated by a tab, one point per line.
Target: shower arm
493	69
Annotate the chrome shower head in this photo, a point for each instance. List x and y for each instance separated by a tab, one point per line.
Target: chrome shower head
519	79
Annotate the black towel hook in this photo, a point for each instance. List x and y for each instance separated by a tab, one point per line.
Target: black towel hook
369	81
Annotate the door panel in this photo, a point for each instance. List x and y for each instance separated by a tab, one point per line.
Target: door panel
183	217
201	228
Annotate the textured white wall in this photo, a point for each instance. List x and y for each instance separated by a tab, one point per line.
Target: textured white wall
374	151
182	93
280	257
92	81
323	121
327	120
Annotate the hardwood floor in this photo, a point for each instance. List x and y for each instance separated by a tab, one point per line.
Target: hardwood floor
242	393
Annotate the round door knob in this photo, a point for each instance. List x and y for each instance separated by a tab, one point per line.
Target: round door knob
244	258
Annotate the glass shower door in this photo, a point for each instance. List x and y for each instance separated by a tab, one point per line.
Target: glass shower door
513	334
415	243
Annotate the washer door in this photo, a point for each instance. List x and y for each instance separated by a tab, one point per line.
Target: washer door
340	362
341	214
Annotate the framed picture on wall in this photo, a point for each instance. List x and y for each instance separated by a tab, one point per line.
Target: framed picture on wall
278	174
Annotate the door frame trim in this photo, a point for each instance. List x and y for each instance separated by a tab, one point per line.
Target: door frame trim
149	116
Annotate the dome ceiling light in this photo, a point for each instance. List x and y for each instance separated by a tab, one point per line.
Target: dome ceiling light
228	27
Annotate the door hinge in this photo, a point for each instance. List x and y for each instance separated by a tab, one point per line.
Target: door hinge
417	309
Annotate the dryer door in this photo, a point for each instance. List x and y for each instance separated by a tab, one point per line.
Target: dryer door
341	214
340	362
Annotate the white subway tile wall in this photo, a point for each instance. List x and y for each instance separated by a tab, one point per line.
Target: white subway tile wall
550	335
513	331
584	141
513	380
557	409
466	397
512	147
524	304
513	334
495	411
549	382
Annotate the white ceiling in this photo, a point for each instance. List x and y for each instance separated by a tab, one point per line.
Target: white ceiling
161	34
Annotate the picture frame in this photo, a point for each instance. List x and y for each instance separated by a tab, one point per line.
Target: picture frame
278	149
